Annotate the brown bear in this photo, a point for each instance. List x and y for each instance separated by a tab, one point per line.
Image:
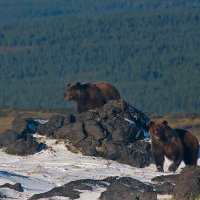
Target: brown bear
108	90
175	144
87	96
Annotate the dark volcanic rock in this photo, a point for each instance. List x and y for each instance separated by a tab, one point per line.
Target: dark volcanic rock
129	189
136	154
19	140
8	137
71	189
73	132
112	132
116	189
17	186
25	125
172	178
165	184
188	183
18	143
165	188
19	124
54	123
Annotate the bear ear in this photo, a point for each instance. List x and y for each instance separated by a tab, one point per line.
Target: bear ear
150	123
78	84
165	122
69	84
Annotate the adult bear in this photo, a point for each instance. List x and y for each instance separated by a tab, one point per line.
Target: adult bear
89	96
175	144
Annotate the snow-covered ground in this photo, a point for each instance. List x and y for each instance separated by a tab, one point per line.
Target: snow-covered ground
56	166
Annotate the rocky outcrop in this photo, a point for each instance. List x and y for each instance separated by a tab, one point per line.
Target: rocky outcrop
165	184
188	184
19	140
128	188
17	186
115	189
115	131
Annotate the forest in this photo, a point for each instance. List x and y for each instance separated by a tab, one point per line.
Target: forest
149	51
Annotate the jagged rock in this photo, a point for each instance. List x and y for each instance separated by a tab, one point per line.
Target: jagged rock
165	184
71	189
8	137
112	132
94	130
129	189
19	124
54	123
172	178
73	132
137	154
25	146
165	188
25	125
19	143
19	139
188	184
69	119
17	186
116	189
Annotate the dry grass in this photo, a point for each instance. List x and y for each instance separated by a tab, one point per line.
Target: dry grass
5	123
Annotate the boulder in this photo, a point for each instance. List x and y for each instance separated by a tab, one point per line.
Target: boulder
19	140
165	184
73	132
72	189
55	122
25	125
129	189
115	131
116	189
188	184
17	186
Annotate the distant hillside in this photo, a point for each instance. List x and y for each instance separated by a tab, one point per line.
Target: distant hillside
35	9
150	52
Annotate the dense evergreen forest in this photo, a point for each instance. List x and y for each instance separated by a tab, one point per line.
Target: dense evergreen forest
149	49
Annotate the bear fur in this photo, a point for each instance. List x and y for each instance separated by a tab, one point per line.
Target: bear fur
108	90
176	144
87	96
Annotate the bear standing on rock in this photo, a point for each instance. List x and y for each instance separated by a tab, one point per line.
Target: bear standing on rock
175	144
89	96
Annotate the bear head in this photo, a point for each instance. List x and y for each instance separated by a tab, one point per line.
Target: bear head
73	91
161	131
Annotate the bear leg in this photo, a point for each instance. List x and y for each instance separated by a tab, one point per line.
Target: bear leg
159	161
175	164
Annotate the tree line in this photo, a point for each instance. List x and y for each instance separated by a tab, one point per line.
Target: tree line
151	56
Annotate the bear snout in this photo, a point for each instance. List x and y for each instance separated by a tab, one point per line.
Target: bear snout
66	96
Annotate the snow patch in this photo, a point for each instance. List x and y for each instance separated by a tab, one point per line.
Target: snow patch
56	166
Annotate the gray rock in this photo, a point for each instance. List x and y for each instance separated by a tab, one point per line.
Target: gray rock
113	132
188	183
54	123
129	189
71	189
116	189
73	132
17	186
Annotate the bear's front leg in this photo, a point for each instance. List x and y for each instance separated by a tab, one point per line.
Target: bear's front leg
159	161
175	164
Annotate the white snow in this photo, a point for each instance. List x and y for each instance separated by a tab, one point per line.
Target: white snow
56	166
